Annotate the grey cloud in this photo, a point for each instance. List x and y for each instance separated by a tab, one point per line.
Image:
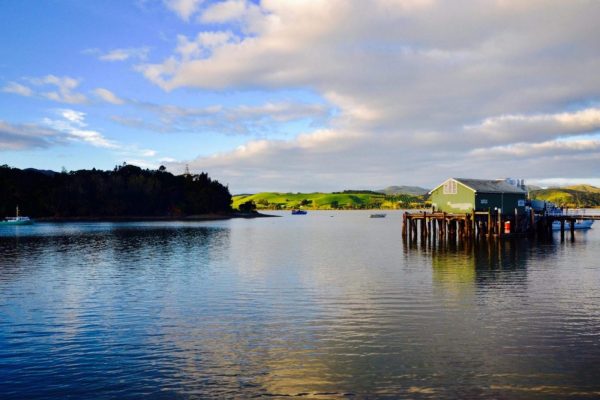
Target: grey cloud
27	136
238	120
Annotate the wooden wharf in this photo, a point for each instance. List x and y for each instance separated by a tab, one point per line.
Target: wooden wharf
427	226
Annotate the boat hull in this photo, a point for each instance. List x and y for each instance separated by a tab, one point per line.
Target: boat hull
15	223
579	225
298	212
377	216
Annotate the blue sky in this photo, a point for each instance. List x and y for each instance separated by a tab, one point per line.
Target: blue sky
299	96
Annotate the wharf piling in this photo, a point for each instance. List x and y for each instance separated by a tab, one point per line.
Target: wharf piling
427	226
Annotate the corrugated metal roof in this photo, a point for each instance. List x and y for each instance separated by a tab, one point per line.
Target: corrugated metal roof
490	186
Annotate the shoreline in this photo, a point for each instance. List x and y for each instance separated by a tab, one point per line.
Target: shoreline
188	218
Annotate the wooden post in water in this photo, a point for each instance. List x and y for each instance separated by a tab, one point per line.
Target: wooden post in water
531	221
499	226
429	229
404	225
414	228
444	229
562	230
572	226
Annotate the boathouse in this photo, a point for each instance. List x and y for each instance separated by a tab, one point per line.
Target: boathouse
460	195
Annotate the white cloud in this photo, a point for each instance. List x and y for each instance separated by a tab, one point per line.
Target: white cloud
532	127
546	149
73	125
108	96
121	54
65	86
17	88
202	45
423	94
225	11
125	54
184	8
65	89
74	117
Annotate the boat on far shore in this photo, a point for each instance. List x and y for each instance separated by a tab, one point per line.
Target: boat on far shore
17	220
298	212
579	225
552	209
379	215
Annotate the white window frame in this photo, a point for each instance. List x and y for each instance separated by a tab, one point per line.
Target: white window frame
450	187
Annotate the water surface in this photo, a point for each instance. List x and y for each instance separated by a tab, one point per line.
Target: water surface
327	305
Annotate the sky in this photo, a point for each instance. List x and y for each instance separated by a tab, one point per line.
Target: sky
315	95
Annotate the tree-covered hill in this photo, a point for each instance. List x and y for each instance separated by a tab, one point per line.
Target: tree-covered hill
126	191
577	196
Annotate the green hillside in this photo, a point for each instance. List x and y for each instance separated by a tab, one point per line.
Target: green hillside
329	201
577	196
584	188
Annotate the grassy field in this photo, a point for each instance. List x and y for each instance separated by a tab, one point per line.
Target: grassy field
328	201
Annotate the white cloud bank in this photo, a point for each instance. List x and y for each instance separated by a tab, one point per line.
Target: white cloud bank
425	88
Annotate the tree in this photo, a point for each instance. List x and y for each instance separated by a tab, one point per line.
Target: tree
247	207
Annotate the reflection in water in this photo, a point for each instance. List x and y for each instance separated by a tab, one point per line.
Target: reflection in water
480	263
315	307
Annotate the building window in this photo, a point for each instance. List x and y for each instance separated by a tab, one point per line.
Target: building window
450	187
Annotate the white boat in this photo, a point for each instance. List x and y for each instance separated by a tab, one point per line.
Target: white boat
579	224
551	209
17	220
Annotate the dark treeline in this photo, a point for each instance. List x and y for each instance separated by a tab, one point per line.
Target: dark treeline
123	192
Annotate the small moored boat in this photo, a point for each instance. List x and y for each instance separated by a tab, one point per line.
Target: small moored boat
579	224
298	212
17	220
381	215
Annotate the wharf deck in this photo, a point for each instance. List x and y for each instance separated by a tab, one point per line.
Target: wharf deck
428	226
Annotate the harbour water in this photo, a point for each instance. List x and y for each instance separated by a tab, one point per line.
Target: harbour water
326	305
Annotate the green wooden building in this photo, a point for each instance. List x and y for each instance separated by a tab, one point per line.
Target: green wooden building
459	195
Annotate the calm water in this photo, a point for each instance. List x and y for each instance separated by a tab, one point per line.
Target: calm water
325	305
